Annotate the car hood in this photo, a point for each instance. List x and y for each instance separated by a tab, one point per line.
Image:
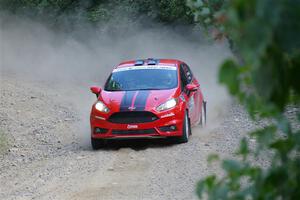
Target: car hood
136	100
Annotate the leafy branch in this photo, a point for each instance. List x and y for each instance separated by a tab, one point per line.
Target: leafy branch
266	35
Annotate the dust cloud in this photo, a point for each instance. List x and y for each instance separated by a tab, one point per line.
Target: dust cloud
68	62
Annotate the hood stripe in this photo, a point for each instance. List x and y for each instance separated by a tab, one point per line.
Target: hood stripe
141	100
133	99
127	100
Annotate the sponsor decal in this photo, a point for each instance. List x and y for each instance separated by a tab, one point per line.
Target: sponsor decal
132	126
168	115
166	67
131	108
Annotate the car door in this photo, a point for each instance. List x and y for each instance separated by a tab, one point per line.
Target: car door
195	98
198	99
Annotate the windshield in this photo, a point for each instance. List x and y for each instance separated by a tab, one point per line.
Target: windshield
142	78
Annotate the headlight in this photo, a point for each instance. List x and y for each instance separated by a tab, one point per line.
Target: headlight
100	106
167	105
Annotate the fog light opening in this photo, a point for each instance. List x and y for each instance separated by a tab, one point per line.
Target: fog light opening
168	128
98	130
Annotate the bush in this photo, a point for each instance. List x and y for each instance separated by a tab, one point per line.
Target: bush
97	11
266	36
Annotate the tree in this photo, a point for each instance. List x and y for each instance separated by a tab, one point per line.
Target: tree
265	34
100	11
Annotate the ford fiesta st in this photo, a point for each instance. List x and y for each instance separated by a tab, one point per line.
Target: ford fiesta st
151	98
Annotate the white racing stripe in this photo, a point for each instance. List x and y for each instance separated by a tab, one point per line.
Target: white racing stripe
166	67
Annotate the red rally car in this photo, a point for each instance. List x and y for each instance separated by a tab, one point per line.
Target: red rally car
151	98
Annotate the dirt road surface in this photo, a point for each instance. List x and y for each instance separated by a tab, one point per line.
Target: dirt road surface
44	117
49	156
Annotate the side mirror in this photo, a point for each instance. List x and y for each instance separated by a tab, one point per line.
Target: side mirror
191	87
96	90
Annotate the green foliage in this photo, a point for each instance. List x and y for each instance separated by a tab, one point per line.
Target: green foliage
265	34
229	75
101	11
174	10
206	11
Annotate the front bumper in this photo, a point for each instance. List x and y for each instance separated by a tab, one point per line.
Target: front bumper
159	128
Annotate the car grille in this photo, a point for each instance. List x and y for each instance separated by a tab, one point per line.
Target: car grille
133	132
132	117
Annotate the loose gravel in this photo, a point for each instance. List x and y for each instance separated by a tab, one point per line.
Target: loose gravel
49	156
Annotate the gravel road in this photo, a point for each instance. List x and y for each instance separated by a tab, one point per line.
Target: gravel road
49	155
44	116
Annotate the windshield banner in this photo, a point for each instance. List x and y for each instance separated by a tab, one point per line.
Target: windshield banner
144	67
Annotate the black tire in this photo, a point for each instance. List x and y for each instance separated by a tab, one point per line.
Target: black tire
186	130
203	114
97	143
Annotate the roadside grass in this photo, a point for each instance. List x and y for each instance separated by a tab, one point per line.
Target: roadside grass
3	142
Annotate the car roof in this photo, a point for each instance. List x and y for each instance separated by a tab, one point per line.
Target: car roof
153	61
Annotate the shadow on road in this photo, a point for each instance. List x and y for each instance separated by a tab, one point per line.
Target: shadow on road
137	144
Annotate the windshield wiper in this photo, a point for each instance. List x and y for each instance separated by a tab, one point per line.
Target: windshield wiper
113	90
152	89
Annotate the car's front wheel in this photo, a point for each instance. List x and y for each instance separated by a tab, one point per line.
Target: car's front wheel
97	143
186	130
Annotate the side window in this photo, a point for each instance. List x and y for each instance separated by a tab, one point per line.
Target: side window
183	77
189	74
